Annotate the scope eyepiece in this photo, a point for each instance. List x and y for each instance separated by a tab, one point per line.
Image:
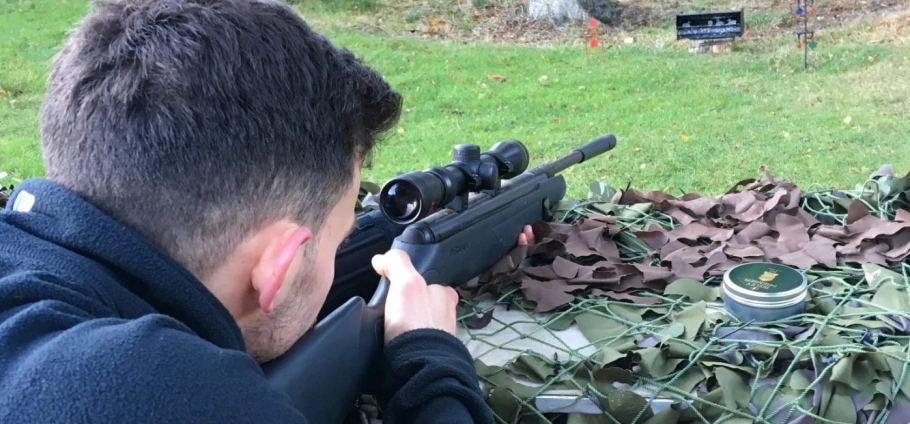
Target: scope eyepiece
402	202
415	195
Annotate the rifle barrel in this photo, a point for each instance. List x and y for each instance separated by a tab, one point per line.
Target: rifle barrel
591	149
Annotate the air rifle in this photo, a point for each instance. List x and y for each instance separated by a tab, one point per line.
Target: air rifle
454	222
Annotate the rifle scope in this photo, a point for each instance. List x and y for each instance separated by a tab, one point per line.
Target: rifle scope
412	196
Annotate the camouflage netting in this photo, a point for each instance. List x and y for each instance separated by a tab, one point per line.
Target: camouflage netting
617	313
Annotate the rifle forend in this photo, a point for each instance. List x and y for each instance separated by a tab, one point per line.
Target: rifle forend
327	370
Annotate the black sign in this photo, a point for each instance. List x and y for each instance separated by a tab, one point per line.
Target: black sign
709	25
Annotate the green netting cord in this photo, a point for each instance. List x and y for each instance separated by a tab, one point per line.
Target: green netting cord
603	307
842	286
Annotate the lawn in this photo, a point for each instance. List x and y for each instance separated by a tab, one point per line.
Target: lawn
684	122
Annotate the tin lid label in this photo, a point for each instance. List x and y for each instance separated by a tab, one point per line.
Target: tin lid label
763	278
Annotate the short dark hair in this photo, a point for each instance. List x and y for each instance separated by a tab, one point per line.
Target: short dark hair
194	122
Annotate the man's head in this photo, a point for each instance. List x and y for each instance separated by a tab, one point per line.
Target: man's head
230	135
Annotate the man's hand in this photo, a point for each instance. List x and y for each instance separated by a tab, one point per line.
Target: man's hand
412	303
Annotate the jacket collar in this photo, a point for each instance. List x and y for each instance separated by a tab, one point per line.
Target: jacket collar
56	214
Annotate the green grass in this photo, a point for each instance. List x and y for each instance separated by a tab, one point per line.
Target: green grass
683	121
31	31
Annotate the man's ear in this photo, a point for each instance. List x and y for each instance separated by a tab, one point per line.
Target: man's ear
272	268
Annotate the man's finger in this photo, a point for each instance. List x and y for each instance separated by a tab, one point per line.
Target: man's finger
395	265
529	234
446	292
404	279
378	263
526	237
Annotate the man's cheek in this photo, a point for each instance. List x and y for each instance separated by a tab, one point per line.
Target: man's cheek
327	280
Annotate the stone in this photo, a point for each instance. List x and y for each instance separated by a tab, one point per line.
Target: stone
556	10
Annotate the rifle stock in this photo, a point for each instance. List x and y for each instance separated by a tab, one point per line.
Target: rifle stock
326	371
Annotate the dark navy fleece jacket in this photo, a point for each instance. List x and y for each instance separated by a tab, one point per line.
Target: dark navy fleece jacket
99	326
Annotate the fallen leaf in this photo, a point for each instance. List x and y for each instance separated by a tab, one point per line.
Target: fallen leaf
685	138
496	78
400	130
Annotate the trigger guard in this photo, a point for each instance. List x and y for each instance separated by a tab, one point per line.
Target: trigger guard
377	301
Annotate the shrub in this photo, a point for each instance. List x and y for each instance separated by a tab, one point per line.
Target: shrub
605	11
413	14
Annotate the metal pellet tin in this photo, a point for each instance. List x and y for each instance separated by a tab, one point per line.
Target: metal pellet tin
764	291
